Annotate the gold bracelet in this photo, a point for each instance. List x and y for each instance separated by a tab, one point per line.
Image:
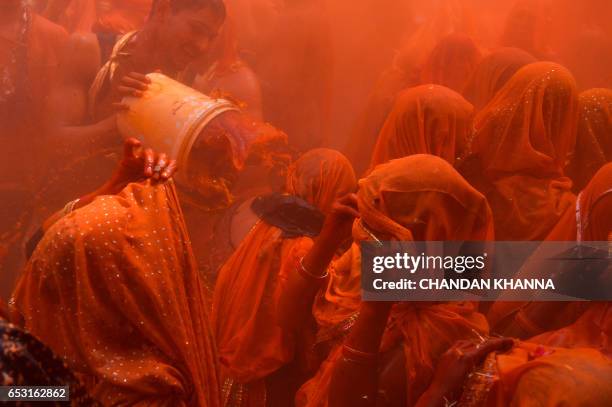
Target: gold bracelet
308	275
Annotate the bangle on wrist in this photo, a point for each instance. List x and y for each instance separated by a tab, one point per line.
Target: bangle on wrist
308	275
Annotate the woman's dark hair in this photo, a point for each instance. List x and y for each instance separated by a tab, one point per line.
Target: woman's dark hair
217	6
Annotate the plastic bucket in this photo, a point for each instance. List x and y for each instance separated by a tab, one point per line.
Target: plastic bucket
169	117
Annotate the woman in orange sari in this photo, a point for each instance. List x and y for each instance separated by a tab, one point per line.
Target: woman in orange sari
594	139
493	72
590	221
445	206
571	324
567	366
445	18
570	365
523	140
252	346
113	289
427	119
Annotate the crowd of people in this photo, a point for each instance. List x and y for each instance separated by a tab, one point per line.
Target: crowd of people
239	284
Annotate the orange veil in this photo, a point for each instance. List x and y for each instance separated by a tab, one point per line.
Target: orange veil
594	139
390	198
583	371
591	323
493	72
442	19
427	119
590	222
523	139
251	344
113	288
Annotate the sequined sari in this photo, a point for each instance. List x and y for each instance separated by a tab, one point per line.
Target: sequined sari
113	289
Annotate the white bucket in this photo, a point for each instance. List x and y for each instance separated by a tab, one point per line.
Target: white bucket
169	117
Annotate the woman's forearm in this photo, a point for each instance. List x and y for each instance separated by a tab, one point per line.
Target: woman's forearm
369	327
79	137
297	295
355	376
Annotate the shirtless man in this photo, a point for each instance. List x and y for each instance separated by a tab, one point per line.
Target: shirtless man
177	33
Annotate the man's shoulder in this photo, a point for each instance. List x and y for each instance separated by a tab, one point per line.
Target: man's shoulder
48	29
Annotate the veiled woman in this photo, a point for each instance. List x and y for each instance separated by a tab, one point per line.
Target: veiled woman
113	289
523	141
432	55
568	324
253	349
594	139
427	119
419	197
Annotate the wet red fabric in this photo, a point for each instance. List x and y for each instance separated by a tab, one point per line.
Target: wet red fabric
251	344
419	197
523	141
114	290
594	139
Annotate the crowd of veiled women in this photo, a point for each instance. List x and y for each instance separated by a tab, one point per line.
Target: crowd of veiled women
242	285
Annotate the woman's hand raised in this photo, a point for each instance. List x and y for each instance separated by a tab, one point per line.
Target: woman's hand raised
339	222
139	164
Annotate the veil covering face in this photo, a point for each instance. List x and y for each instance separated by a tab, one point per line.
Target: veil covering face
587	324
114	290
439	25
419	197
427	119
590	221
522	143
251	344
594	139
